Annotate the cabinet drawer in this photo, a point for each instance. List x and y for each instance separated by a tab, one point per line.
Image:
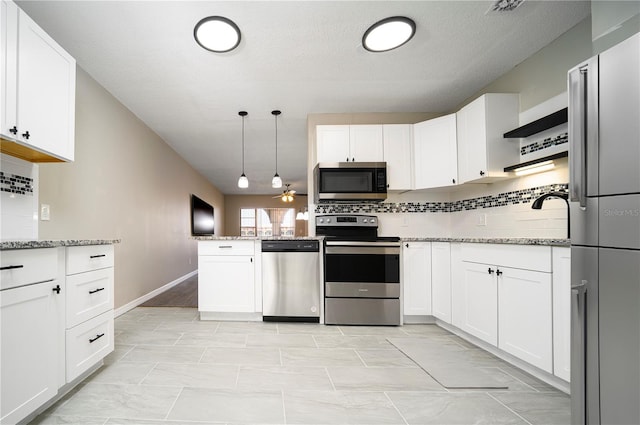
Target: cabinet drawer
528	257
89	294
226	247
26	266
86	258
88	343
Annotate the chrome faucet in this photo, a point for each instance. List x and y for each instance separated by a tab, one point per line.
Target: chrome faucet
537	205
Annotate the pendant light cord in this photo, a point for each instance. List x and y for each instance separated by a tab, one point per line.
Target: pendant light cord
276	144
243	145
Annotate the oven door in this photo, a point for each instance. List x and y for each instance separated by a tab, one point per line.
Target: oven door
362	271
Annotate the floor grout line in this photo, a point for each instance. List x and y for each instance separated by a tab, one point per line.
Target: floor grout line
509	408
173	404
396	407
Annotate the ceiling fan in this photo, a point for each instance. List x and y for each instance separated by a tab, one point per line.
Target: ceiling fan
287	195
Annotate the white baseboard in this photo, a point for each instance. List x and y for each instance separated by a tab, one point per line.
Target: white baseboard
133	304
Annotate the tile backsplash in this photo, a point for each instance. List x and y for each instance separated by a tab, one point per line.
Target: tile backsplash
18	199
522	196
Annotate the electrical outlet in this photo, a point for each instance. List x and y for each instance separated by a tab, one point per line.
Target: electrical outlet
45	212
482	219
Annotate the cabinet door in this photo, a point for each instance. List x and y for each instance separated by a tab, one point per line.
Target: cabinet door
416	268
441	280
483	152
457	286
435	153
45	91
29	347
472	147
562	312
332	143
480	293
226	284
365	143
397	139
524	311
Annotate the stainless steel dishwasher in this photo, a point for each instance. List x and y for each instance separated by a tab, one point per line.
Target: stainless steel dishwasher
291	280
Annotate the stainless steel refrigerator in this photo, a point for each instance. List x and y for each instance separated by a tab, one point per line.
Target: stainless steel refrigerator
604	163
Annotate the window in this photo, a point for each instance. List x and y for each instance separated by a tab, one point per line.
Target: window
267	222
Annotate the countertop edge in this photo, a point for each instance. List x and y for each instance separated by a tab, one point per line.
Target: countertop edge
26	244
506	241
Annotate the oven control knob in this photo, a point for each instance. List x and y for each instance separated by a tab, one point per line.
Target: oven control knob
322	220
373	220
328	220
364	220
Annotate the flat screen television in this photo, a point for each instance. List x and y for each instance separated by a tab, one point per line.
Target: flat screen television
201	217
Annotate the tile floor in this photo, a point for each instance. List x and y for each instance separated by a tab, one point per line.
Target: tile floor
170	368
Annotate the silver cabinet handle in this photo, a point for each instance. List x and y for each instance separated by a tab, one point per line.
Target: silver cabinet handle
225	246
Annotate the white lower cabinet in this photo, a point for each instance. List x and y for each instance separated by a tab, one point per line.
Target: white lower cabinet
226	277
524	306
31	310
416	278
56	315
479	303
561	258
29	350
88	343
441	280
89	312
503	296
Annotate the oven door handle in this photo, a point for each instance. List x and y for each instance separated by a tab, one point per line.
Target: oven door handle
363	250
365	244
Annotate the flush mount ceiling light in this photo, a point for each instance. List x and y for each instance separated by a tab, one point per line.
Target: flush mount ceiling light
217	34
388	34
276	182
243	181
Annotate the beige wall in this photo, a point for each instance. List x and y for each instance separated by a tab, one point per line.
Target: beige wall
125	183
233	204
544	74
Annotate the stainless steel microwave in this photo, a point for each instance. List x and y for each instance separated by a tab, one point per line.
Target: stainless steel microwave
351	181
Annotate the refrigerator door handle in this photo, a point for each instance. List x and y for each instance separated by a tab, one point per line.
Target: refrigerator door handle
578	347
577	134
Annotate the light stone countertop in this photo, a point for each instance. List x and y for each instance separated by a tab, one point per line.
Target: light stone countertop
31	244
511	241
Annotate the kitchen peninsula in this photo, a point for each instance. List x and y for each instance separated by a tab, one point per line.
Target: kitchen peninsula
57	317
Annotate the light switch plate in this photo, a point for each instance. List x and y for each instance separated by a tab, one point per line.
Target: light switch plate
45	212
482	219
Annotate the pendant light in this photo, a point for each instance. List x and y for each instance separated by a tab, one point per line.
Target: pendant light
276	182
243	181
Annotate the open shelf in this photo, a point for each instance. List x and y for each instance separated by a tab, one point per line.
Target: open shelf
544	123
536	161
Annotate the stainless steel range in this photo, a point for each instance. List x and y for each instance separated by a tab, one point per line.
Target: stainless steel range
361	270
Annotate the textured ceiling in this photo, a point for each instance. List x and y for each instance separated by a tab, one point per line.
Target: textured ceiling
301	57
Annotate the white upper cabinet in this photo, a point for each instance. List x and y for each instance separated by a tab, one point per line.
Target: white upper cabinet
366	143
332	143
38	91
349	143
397	139
435	157
483	152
